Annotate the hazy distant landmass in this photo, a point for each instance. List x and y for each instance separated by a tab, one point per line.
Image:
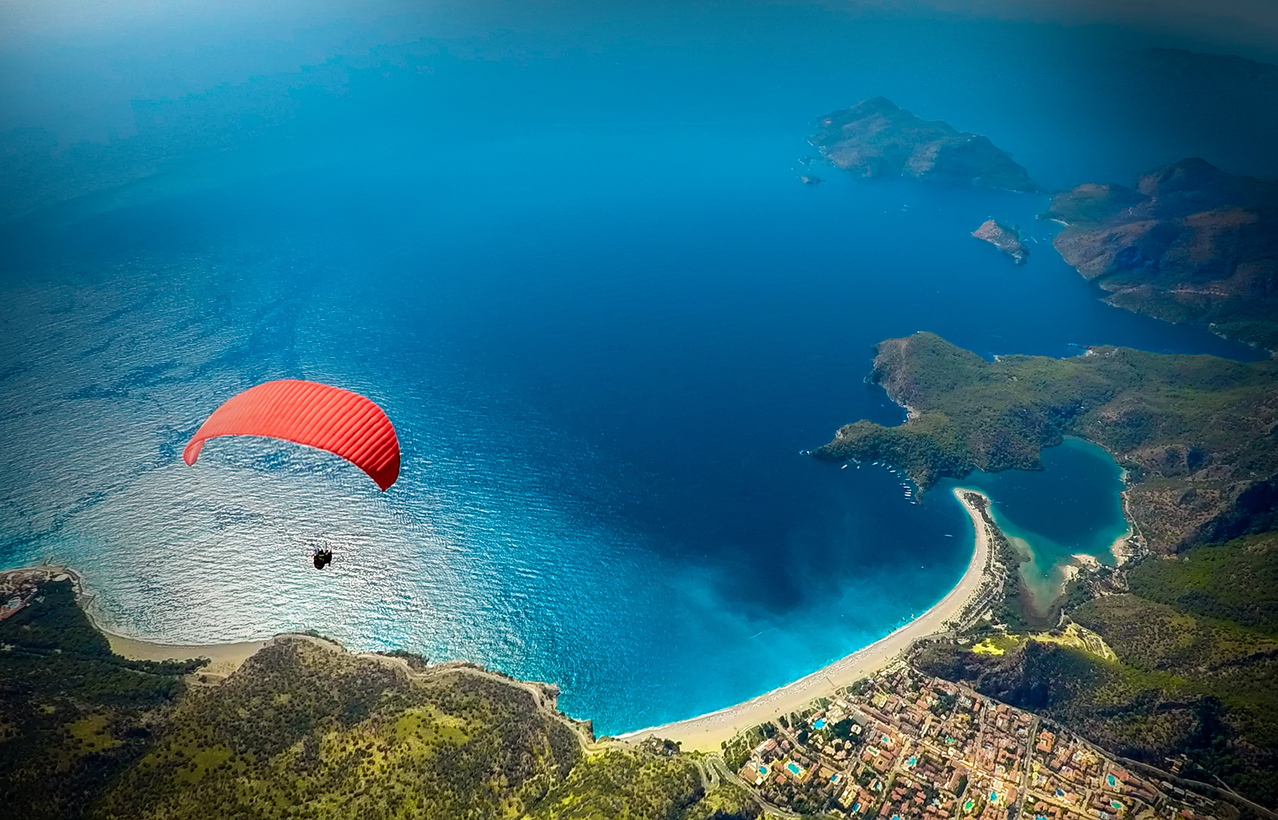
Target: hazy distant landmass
1194	432
877	138
1007	238
1190	243
1205	100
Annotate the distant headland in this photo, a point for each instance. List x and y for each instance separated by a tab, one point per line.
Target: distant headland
1190	243
877	138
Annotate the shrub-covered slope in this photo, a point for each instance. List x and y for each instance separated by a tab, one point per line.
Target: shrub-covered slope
304	729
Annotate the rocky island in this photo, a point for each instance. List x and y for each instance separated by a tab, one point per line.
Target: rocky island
1007	238
877	138
1190	243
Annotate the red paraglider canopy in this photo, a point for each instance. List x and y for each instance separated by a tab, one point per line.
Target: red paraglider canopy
316	415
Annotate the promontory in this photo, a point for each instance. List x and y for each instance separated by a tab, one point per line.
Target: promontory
877	138
1190	243
1195	433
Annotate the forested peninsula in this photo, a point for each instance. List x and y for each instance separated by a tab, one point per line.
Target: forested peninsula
1198	435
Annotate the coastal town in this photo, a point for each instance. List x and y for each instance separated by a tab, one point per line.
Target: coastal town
902	744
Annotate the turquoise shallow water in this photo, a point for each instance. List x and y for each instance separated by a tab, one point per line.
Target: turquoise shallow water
1071	507
605	318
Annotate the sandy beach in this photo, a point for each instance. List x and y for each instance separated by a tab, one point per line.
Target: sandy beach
708	732
704	733
224	658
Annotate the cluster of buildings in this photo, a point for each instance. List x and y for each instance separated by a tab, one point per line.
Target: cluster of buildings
905	745
19	586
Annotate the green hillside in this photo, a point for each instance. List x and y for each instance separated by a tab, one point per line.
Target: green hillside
304	729
72	714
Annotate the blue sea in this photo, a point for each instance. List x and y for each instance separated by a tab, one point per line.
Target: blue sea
577	269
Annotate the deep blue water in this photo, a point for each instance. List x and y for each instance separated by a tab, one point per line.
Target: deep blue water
604	340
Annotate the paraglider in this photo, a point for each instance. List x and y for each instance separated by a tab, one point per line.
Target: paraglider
312	414
316	415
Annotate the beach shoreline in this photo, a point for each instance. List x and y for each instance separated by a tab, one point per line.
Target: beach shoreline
224	658
702	733
708	732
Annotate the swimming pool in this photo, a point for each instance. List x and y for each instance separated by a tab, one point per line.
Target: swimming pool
794	768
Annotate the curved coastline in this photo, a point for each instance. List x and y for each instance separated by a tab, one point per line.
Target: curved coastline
708	732
702	733
224	658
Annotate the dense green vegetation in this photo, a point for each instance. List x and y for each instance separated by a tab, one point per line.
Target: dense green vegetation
72	714
1194	432
1197	672
304	729
624	784
1237	582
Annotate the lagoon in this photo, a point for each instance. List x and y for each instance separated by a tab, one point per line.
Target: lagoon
1072	507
